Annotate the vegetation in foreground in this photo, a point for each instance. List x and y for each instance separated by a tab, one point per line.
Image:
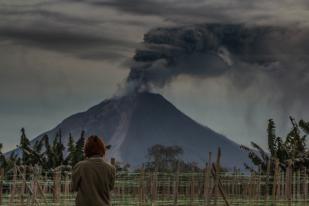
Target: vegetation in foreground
291	150
51	154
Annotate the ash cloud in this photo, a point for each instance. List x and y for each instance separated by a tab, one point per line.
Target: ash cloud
238	52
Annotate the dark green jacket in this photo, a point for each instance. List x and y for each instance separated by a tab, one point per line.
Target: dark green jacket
93	179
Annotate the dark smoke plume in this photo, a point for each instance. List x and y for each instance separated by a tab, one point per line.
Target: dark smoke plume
212	50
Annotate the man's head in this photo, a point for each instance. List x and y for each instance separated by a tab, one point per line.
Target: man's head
94	146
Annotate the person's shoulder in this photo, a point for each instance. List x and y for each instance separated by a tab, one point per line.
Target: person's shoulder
109	166
80	164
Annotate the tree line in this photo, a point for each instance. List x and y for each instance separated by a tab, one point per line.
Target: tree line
44	152
51	153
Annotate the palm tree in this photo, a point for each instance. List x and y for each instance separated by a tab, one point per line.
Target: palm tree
3	162
24	145
304	126
70	159
292	148
79	149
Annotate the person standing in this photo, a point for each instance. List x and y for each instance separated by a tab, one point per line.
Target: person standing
93	179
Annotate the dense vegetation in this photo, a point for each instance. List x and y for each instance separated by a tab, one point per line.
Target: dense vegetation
48	154
51	154
292	148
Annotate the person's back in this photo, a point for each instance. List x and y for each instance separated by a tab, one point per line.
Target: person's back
93	179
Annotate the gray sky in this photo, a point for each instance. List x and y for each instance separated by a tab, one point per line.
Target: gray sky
59	57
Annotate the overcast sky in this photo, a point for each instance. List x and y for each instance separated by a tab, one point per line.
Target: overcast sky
59	57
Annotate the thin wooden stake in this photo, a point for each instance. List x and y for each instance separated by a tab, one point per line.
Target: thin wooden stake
217	175
176	185
13	190
275	183
66	189
1	184
267	179
288	182
305	185
23	187
141	187
207	184
192	187
219	186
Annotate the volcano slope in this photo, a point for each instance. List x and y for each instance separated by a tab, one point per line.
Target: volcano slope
133	123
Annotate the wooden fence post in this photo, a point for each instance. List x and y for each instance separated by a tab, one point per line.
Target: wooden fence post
275	182
192	187
299	184
282	194
169	181
23	187
217	177
35	183
294	182
305	185
141	187
250	188
176	185
57	185
1	184
288	192
234	181
207	180
259	187
13	188
66	189
154	187
267	179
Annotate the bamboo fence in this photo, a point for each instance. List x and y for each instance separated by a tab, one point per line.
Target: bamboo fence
25	185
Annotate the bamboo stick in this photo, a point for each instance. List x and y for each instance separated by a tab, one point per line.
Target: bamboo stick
1	184
13	188
217	175
267	179
219	186
22	193
57	182
176	185
305	185
275	182
192	185
288	187
141	187
207	183
66	189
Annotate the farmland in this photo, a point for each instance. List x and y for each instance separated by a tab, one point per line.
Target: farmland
33	186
